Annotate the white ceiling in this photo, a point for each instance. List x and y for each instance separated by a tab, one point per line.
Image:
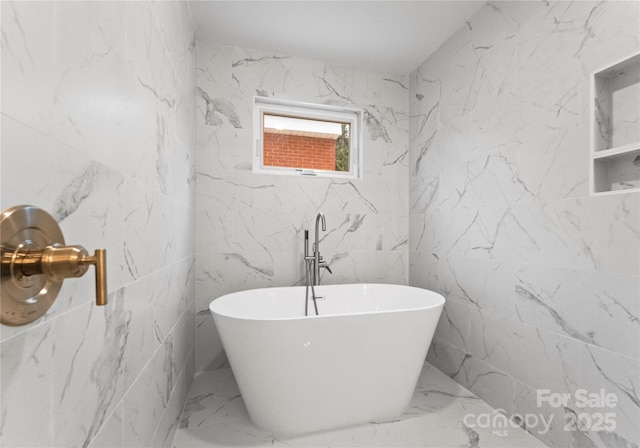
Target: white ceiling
385	36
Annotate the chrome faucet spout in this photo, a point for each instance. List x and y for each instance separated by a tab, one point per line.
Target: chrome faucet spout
316	248
320	218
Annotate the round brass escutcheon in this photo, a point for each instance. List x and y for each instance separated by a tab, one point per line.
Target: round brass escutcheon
25	231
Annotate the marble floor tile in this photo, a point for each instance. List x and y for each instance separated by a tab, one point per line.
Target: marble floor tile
215	416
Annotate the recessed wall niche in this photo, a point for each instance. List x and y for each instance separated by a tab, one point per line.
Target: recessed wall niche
615	152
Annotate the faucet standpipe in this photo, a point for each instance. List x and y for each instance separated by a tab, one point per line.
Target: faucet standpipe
314	262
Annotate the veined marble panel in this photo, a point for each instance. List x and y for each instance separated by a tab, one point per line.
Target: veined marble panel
368	267
550	427
419	232
218	140
618	375
454	326
88	369
560	34
26	368
424	194
587	233
424	271
145	402
170	420
593	307
111	433
538	358
490	384
148	244
478	283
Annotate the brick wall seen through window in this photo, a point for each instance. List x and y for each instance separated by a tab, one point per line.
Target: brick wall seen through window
281	148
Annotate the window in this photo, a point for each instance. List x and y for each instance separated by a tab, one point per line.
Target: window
306	139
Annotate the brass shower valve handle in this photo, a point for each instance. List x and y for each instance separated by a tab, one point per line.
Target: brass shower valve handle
35	260
61	262
99	260
74	261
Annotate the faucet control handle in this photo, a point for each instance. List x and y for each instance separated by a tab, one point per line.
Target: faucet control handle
35	261
60	262
323	264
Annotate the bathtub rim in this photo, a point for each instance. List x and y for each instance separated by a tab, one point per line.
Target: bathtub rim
436	300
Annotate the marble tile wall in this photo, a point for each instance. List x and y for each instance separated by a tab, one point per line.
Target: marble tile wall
250	227
542	280
98	128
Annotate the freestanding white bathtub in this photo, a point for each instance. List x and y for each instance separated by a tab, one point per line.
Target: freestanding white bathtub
357	362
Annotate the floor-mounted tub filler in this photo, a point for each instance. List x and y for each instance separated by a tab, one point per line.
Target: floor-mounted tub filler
358	361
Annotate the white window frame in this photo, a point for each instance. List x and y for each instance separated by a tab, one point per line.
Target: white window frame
354	117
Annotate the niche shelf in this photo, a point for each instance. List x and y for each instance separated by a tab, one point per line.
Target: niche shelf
615	128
